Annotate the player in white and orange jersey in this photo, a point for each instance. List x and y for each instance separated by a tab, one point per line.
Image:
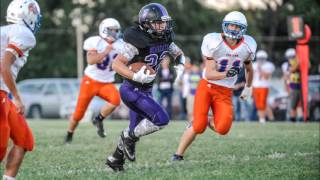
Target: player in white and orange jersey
263	70
99	76
224	54
17	39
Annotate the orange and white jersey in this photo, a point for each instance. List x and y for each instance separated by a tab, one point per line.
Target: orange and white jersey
226	57
258	80
19	40
102	72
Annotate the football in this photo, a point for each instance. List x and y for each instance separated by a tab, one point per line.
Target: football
135	67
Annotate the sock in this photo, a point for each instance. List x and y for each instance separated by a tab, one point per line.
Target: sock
5	177
262	120
99	117
130	134
69	133
292	119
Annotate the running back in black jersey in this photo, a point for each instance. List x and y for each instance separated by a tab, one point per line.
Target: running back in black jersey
151	51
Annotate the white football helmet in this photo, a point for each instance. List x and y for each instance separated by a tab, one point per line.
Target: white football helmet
106	28
25	12
236	18
290	53
262	55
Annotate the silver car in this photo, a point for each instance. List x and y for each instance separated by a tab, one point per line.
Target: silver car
44	97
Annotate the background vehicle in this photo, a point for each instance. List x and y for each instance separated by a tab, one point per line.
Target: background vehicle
44	97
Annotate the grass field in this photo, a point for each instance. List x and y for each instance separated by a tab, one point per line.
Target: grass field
249	151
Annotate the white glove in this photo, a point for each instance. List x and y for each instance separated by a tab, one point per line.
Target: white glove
246	92
141	77
179	69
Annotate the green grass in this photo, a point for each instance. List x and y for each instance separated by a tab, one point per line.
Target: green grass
249	151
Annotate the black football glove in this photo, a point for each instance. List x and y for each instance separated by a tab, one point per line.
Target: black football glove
232	72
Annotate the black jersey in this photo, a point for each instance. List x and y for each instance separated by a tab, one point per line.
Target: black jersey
151	51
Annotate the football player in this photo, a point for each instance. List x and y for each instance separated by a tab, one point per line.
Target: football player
17	39
149	42
99	76
224	54
263	70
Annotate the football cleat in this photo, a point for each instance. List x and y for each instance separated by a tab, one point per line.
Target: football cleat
176	157
100	128
115	164
68	138
129	146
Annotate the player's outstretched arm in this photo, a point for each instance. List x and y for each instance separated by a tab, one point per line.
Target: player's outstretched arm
249	69
211	72
6	63
93	57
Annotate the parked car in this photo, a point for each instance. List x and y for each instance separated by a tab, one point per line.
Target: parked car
44	97
66	109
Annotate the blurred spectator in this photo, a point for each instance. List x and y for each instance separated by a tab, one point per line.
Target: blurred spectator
263	70
192	83
241	108
183	89
165	85
293	78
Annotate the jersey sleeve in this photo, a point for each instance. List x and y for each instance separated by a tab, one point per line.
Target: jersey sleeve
90	44
174	50
209	44
252	46
20	41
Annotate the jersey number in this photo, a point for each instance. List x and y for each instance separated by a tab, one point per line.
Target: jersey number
224	64
105	63
152	59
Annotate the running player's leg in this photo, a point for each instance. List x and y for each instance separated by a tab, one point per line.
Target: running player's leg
222	110
87	92
4	124
110	94
22	138
202	103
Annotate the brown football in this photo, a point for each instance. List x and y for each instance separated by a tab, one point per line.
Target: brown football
135	67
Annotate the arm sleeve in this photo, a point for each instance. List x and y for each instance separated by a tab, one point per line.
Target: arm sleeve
127	50
174	50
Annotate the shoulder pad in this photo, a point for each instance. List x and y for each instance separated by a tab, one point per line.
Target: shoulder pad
91	43
136	37
22	38
210	42
251	43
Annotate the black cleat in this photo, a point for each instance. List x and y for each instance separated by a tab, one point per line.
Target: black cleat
129	146
68	138
115	164
100	128
176	157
